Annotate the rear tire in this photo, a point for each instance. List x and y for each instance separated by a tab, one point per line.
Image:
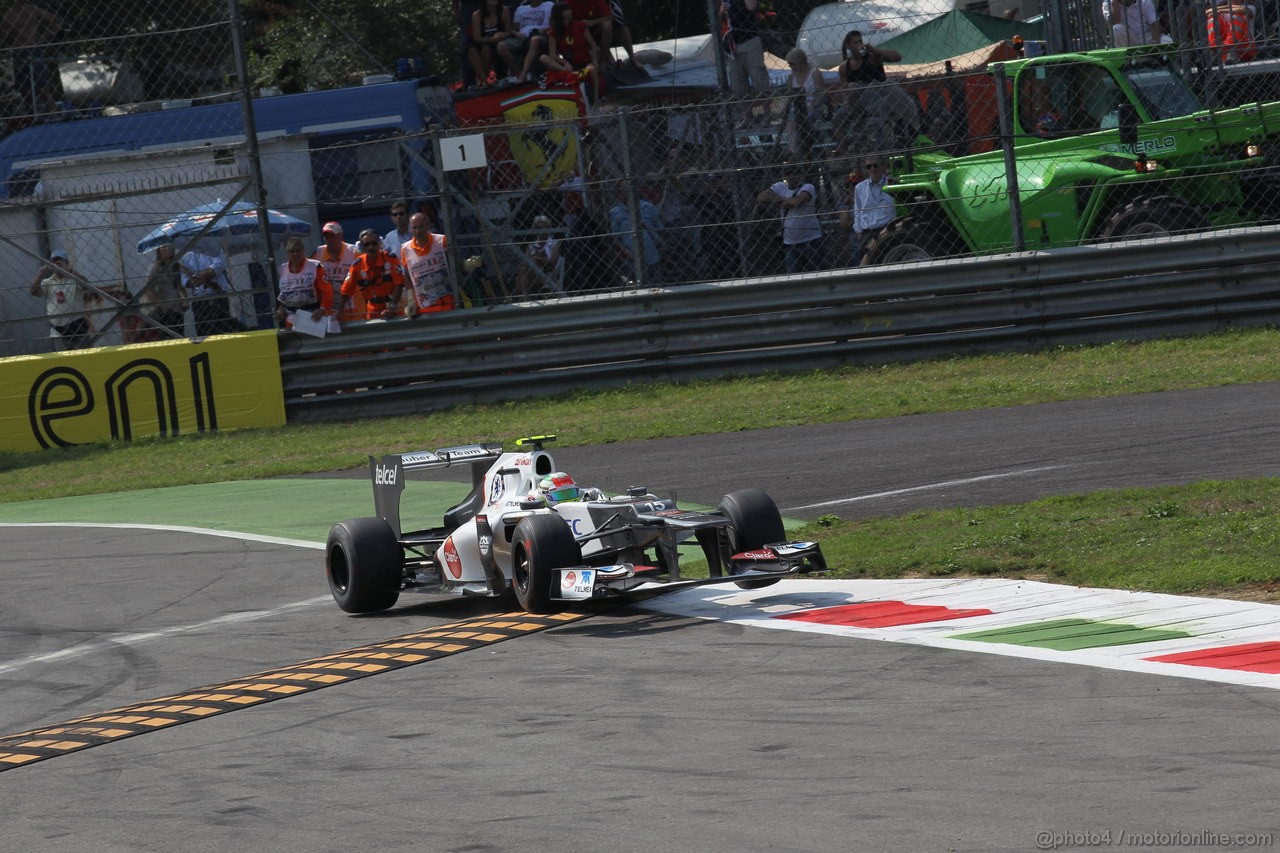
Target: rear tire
910	241
364	563
755	522
1157	216
541	544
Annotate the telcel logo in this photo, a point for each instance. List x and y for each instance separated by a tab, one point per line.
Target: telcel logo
384	475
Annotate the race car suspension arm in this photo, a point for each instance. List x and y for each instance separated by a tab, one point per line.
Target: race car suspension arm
599	531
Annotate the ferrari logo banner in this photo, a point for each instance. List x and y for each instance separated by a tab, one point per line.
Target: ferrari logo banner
122	393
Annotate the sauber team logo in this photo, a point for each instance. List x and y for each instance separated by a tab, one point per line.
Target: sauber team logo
451	559
421	457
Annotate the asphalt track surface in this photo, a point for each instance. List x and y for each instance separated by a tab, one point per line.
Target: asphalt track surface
629	730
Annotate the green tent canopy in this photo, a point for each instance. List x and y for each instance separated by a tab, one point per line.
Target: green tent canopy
958	32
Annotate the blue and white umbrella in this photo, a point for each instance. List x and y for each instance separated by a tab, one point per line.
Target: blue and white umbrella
236	231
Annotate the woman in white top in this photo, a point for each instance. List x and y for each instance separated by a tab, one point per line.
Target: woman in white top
809	103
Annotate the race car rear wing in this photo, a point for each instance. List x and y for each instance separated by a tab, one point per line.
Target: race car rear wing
387	473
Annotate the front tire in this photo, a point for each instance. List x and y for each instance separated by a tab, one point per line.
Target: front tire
756	522
364	563
911	241
1157	216
541	544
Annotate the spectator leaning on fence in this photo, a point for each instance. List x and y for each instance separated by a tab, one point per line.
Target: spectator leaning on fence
334	254
650	234
872	209
303	286
544	256
162	297
426	268
801	229
206	281
64	301
370	283
400	234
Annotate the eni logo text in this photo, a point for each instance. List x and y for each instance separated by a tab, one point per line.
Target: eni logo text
62	393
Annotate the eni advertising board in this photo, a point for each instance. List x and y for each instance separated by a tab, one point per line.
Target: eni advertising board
122	393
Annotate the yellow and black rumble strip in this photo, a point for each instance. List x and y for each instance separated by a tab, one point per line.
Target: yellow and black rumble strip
419	647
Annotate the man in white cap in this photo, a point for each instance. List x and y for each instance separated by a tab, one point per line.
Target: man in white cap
333	254
64	303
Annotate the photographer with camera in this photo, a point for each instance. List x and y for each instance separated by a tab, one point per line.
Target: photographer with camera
862	80
863	63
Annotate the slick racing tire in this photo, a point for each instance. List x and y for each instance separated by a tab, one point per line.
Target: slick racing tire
1157	216
364	562
541	544
756	522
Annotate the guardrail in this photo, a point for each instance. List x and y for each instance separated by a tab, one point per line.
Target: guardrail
1008	303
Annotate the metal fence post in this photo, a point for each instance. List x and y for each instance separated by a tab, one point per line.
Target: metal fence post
441	179
255	160
1004	114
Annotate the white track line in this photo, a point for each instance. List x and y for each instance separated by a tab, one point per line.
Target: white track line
147	636
175	528
138	639
942	485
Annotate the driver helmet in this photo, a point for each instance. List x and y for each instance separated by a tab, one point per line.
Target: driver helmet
559	488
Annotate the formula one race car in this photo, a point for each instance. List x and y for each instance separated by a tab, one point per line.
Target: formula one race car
528	528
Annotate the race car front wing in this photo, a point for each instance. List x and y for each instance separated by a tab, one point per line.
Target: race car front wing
580	583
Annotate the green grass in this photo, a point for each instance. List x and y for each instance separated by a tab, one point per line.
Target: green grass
1208	538
655	411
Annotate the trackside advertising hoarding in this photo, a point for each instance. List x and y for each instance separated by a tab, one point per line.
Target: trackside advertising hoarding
166	388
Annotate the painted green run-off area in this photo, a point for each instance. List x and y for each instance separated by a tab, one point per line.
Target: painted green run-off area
1068	635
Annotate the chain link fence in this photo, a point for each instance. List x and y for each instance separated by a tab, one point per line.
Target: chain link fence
653	186
101	147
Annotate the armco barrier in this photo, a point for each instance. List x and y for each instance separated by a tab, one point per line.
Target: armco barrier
865	316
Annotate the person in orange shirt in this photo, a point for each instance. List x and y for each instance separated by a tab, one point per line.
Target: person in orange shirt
370	283
426	268
303	286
